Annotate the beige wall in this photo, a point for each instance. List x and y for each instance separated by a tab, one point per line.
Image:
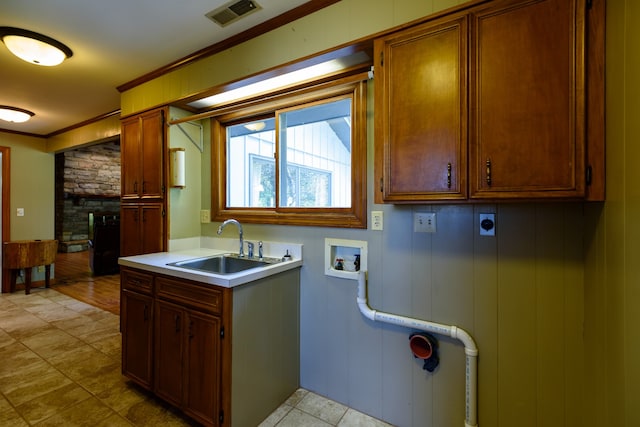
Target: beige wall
105	129
184	203
341	23
614	304
32	187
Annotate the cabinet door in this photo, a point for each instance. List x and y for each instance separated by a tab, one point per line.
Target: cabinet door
136	323
152	227
130	230
202	381
527	100
131	161
141	228
142	148
421	113
152	155
169	338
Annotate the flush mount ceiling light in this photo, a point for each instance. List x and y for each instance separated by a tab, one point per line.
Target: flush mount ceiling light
34	47
14	114
255	126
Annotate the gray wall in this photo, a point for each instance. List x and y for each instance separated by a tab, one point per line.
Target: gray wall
520	294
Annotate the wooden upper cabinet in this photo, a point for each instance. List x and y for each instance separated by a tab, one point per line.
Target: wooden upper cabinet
142	147
527	122
523	68
420	113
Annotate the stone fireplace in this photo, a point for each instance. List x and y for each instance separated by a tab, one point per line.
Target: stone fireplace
87	181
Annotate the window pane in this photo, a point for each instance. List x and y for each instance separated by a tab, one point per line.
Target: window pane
299	159
251	174
315	156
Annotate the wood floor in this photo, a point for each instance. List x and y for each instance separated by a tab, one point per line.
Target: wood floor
73	277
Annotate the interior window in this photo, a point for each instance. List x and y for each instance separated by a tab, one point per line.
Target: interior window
301	160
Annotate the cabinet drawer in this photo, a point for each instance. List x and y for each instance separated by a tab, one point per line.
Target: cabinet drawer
137	281
204	297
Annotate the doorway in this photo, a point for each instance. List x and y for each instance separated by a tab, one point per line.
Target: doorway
5	217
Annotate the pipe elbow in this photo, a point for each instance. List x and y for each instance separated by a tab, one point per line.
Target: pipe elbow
366	311
470	347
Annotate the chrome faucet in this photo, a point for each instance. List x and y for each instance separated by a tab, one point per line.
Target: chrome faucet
234	221
250	249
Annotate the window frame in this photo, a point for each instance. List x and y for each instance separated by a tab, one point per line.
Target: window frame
351	217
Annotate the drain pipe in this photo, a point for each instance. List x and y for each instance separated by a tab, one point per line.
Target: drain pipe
470	348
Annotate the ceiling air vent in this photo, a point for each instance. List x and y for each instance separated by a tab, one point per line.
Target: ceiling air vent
232	11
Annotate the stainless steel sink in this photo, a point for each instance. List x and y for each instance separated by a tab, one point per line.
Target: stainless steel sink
224	264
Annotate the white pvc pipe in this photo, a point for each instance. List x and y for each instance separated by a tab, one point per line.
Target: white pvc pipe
470	348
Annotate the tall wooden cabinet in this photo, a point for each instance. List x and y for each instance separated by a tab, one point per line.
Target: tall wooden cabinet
143	203
523	68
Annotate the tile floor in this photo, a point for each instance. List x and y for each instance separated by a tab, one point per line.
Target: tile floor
60	366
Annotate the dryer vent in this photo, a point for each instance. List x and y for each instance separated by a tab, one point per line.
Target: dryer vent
232	11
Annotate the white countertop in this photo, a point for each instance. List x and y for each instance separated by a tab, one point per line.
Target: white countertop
157	263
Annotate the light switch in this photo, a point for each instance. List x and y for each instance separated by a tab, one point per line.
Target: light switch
20	212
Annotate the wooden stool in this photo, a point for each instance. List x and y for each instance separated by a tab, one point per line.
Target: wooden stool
26	254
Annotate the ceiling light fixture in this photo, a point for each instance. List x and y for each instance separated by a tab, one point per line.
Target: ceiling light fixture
255	126
34	47
14	114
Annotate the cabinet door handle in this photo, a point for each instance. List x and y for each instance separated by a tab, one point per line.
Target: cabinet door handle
146	312
190	329
488	164
135	186
448	175
176	319
143	187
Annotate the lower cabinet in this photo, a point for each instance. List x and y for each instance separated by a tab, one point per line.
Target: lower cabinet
187	349
136	318
169	349
136	346
178	336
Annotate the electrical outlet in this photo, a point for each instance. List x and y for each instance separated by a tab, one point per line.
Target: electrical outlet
424	222
205	216
20	212
377	220
487	224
